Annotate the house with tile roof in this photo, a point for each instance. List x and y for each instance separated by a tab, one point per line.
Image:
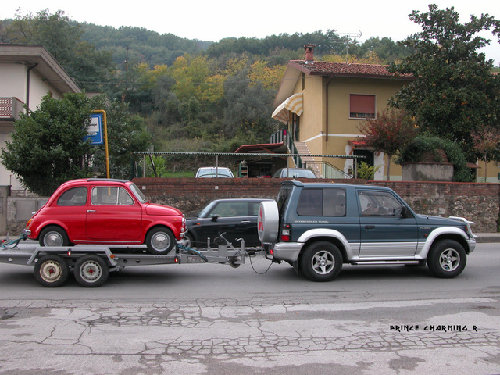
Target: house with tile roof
27	73
323	103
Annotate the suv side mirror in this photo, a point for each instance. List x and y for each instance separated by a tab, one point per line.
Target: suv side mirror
405	213
214	218
402	212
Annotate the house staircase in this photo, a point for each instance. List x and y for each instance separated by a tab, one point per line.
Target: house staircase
307	161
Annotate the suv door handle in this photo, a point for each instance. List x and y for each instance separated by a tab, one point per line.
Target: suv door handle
90	211
369	226
245	221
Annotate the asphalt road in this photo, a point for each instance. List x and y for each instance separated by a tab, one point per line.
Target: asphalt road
213	319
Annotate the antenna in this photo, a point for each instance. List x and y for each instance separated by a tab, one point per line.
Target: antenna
349	36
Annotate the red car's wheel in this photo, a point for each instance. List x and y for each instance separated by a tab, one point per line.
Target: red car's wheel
160	241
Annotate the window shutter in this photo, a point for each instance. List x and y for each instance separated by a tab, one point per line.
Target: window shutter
362	104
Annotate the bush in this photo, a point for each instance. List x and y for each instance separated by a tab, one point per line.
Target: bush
424	144
366	172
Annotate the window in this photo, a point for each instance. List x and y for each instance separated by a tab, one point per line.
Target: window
322	202
378	203
333	202
230	209
310	202
362	106
253	208
73	197
107	195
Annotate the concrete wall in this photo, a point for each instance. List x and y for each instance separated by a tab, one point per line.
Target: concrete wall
13	78
477	202
428	172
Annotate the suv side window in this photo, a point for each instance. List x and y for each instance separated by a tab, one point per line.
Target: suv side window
378	203
76	196
322	202
334	202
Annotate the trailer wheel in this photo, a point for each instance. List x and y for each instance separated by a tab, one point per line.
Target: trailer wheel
160	241
91	271
51	271
53	236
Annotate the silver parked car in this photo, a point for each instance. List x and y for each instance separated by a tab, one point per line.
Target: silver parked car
294	173
214	172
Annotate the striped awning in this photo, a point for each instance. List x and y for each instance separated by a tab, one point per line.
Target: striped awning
291	104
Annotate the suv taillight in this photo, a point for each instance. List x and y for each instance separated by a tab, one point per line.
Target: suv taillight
286	231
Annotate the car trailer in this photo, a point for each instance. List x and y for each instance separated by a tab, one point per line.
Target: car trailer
91	264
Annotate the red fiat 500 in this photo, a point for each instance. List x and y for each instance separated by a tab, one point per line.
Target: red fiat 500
105	211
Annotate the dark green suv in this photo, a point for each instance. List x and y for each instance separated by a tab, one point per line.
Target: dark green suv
318	227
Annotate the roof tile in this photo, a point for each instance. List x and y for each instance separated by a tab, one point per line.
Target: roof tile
332	69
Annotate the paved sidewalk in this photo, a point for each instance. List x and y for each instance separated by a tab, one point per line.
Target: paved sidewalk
488	237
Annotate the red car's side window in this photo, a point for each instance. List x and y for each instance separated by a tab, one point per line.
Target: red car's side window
110	195
76	196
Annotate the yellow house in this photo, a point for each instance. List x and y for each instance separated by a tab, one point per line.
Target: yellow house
323	104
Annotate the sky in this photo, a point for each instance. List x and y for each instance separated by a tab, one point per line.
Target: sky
212	20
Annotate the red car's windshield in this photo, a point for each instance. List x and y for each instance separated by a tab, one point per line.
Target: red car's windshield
138	193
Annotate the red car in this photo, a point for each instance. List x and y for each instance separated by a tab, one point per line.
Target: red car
105	211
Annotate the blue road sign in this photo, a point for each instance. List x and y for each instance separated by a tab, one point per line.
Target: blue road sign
94	131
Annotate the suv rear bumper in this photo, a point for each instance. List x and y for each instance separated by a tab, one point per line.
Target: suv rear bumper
288	251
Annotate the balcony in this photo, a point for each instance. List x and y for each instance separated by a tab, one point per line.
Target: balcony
10	108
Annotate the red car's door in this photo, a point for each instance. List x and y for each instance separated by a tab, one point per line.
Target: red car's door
70	209
114	216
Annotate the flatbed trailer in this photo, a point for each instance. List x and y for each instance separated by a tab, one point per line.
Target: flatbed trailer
91	264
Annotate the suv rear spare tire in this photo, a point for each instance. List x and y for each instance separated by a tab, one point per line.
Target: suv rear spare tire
268	222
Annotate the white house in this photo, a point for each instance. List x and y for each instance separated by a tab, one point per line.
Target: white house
27	74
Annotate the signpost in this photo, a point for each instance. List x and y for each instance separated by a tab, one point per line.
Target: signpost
98	133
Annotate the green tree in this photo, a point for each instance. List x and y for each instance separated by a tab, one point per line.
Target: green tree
48	146
487	144
389	133
247	108
63	40
126	134
425	147
453	90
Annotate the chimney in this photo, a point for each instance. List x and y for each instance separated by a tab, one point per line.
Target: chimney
309	58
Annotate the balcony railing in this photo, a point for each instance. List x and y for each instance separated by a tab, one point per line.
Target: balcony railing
278	137
10	108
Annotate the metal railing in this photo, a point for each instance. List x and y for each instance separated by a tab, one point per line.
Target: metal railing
329	171
279	136
282	136
293	150
10	108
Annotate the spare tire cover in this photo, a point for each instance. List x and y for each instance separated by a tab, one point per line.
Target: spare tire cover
268	222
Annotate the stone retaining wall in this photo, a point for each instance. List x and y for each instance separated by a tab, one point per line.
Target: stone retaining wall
477	202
